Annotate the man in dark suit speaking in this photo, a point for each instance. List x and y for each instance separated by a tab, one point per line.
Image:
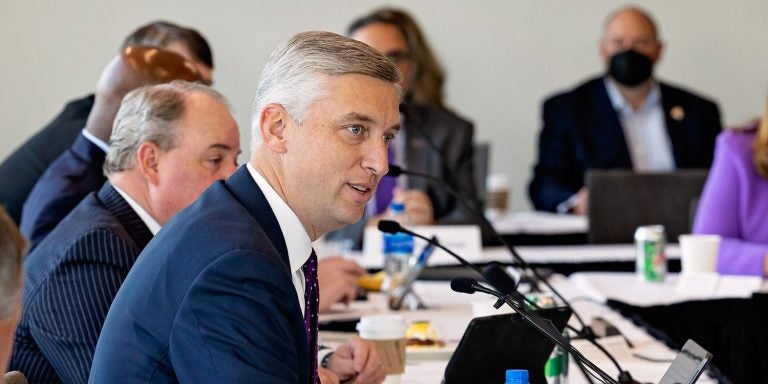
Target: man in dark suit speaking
227	292
170	142
625	119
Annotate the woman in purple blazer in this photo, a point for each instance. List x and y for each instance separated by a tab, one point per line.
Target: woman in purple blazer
734	203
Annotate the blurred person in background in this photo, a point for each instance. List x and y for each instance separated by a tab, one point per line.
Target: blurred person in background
433	140
734	202
625	118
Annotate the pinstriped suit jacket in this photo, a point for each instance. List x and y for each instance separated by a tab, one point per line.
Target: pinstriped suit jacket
71	279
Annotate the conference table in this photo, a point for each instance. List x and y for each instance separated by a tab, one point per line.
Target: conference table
449	313
655	317
637	309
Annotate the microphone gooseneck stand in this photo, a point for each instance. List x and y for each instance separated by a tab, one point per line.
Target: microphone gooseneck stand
516	300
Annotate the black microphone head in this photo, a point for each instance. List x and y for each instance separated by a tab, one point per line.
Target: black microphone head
499	279
394	171
389	226
463	285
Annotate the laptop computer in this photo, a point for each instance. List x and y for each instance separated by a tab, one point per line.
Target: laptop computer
493	344
622	200
688	365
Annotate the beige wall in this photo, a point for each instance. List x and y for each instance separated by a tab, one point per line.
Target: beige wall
502	56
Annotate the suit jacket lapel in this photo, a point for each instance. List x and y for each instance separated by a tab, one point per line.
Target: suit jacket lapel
674	117
114	202
607	121
247	192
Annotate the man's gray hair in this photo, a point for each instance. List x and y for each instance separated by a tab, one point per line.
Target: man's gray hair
12	249
150	114
297	69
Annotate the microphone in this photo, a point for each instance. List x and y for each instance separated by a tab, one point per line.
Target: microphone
531	273
540	324
470	286
14	377
506	291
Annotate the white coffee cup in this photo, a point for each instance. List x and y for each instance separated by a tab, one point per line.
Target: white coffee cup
698	253
388	333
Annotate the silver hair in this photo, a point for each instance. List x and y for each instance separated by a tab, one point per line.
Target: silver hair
12	249
150	114
298	68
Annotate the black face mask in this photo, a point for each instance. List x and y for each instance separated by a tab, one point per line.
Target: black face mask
630	68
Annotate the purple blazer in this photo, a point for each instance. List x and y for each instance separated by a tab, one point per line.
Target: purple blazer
734	204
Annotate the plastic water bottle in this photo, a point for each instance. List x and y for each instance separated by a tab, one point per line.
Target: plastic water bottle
517	376
398	249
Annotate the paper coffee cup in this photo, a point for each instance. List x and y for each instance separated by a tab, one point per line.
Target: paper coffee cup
388	333
698	253
498	191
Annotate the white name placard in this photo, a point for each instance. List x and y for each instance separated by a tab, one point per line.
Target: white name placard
464	240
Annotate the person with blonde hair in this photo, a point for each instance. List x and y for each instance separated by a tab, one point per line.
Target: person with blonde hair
433	141
734	202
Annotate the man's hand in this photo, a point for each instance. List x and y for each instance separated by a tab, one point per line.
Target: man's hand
582	206
358	361
326	376
337	278
418	206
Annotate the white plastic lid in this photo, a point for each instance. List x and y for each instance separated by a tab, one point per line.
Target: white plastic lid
382	327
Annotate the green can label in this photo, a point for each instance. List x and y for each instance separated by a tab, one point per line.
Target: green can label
650	245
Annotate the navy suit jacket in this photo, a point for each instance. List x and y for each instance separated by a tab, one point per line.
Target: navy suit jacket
582	131
71	177
70	281
210	300
28	162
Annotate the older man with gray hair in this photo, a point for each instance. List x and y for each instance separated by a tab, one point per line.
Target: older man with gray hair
227	292
169	143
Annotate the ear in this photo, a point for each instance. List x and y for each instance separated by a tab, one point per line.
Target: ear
273	122
602	51
147	159
659	52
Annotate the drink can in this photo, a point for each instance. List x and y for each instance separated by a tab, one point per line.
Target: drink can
650	243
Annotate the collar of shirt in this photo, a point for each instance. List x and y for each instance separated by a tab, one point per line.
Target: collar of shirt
96	141
148	220
652	100
297	240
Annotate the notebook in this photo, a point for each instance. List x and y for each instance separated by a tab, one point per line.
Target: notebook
493	344
622	200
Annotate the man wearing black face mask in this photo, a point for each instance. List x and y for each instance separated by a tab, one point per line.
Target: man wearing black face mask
624	119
